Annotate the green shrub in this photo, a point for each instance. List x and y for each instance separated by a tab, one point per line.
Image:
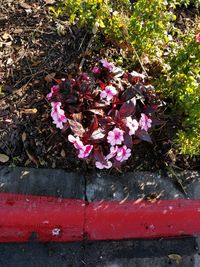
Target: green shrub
149	28
181	84
111	17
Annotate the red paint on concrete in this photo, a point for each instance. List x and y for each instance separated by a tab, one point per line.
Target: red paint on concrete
25	218
142	219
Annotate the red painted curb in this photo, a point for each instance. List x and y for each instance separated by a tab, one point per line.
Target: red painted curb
24	218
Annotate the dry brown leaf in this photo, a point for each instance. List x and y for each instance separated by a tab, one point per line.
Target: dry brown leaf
4	158
175	257
6	36
50	2
29	111
32	157
50	77
17	30
62	153
25	5
24	137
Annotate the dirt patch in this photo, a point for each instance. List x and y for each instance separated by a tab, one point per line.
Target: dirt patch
33	46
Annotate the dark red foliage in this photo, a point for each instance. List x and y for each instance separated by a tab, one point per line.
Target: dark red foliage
91	117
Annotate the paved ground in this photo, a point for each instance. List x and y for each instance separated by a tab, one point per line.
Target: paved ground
132	253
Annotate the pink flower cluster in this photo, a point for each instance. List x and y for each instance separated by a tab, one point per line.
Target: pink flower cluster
84	150
116	138
103	113
58	114
107	65
109	92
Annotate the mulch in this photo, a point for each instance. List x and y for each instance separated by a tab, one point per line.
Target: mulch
34	48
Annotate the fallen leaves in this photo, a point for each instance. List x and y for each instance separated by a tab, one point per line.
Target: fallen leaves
4	158
175	257
29	111
49	77
50	2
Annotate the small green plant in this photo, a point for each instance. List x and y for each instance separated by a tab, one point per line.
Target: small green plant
110	17
181	84
150	25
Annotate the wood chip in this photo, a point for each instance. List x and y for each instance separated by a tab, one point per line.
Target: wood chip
29	111
48	78
25	5
50	2
4	158
62	153
24	137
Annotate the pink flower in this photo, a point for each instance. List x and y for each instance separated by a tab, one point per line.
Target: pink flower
107	65
78	144
115	137
58	115
96	70
54	91
132	124
123	153
198	37
84	152
145	122
113	152
108	92
101	166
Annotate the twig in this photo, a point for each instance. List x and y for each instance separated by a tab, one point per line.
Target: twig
134	50
87	49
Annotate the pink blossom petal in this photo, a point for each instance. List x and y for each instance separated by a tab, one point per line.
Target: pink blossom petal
132	124
101	166
96	70
145	122
113	152
107	65
123	153
115	137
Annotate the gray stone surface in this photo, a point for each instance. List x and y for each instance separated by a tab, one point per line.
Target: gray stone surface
47	182
148	262
141	253
192	180
134	253
41	255
131	186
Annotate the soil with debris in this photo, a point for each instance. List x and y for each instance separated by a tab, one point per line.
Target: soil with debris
33	50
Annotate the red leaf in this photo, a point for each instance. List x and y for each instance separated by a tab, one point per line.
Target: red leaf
128	140
132	91
128	108
136	141
106	122
117	164
76	127
98	154
102	85
143	135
